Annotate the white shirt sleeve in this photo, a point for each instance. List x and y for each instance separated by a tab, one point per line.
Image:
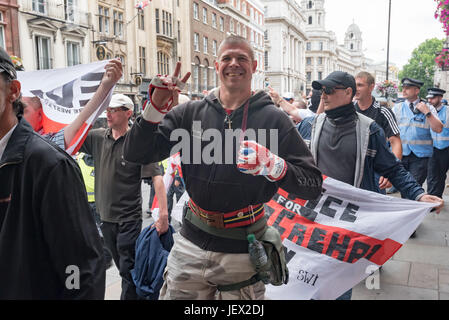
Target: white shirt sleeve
433	110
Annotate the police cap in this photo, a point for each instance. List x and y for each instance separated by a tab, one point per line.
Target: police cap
408	82
433	92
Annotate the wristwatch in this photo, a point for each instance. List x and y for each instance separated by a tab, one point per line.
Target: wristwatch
428	114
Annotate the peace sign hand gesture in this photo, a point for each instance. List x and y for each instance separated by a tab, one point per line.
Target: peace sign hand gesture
162	91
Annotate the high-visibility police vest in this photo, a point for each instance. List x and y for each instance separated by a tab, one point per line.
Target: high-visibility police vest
88	176
415	132
441	140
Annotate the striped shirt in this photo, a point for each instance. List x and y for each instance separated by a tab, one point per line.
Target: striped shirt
383	116
57	138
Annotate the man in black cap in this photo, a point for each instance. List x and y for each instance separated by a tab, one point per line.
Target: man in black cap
49	244
357	142
416	121
439	163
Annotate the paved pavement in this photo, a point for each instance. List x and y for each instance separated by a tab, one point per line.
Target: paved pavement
418	271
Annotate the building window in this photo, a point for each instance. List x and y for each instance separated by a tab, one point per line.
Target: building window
321	46
196	75
118	24
103	19
142	60
214	20
43	53
309	61
320	60
2	31
158	30
310	20
205	15
231	26
167	24
205	75
320	75
205	44
73	53
163	63
141	20
179	31
196	42
39	6
309	76
221	24
308	46
70	7
195	11
214	47
310	5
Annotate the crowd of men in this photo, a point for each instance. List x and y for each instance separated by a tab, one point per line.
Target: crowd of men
48	232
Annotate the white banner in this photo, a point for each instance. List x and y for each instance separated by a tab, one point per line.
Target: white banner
64	93
338	240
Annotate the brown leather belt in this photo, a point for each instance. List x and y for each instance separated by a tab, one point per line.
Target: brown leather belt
220	220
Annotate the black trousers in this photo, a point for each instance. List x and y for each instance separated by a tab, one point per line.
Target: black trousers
438	166
178	191
120	239
417	167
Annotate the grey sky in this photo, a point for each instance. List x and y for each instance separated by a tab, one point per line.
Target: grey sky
412	22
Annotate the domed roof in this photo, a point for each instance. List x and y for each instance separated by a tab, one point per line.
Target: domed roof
354	29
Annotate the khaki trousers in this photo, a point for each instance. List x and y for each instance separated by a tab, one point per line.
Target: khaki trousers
193	274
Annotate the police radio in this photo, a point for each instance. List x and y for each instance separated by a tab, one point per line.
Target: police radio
416	110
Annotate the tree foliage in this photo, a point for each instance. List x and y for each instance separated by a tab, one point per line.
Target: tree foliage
421	65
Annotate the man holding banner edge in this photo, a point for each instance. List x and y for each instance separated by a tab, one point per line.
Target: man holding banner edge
33	112
358	142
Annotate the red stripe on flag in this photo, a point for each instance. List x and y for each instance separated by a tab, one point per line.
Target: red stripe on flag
338	243
51	126
78	134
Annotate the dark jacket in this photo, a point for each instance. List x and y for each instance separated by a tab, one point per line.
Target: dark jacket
222	187
378	158
152	252
46	227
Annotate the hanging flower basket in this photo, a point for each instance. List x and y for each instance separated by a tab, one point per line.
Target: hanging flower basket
387	88
442	59
442	14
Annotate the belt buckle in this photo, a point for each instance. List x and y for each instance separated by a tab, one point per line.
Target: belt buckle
214	220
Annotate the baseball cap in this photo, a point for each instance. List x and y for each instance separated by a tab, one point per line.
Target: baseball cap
288	95
336	78
6	65
120	100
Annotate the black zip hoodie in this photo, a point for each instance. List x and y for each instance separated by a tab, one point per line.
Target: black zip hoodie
220	186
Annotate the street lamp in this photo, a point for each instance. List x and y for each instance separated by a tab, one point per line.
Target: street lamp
388	41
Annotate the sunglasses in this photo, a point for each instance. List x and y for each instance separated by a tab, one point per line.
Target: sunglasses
330	91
